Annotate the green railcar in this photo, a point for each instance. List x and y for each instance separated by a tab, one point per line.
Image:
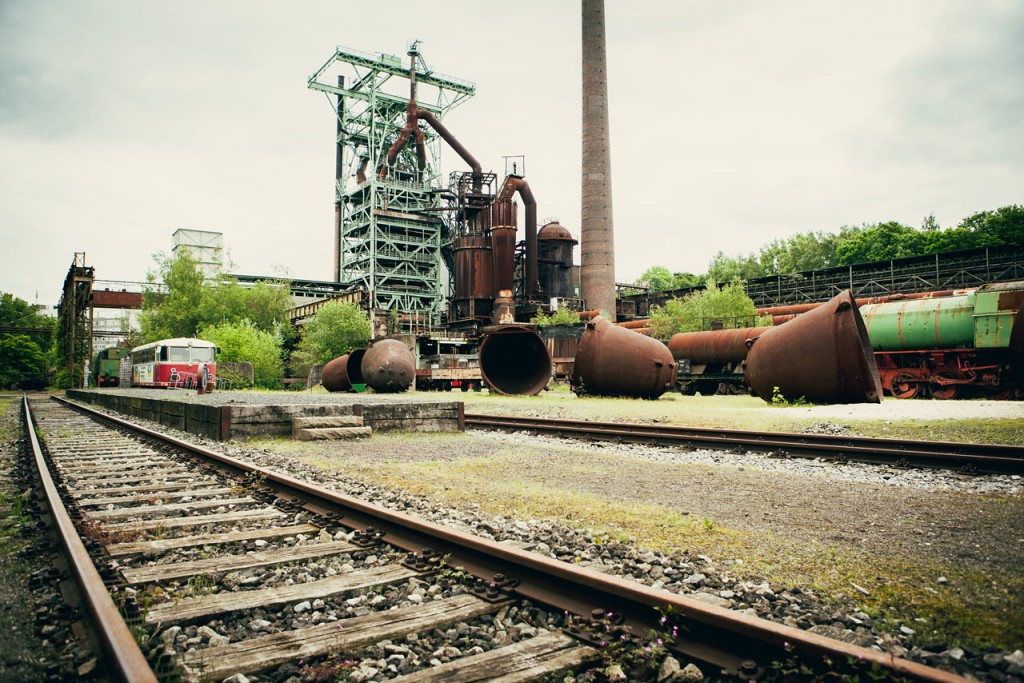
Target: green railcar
106	367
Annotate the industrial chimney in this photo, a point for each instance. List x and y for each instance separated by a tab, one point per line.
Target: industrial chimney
597	250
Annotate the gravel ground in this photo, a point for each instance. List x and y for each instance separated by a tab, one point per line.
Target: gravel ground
934	519
39	641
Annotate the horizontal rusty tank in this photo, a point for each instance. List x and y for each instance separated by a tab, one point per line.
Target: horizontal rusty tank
389	366
823	355
514	361
614	361
715	346
342	372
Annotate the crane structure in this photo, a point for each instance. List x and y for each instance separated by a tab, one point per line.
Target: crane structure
389	228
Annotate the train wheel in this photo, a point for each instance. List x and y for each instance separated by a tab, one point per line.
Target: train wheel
998	394
944	392
904	386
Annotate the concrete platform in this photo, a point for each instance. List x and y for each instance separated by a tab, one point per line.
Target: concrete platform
229	415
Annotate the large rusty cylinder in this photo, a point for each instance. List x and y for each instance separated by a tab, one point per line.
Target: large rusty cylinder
823	356
615	361
514	361
714	346
388	366
344	371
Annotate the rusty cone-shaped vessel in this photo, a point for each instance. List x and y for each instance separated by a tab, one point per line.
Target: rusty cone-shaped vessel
515	361
823	355
344	371
388	366
615	361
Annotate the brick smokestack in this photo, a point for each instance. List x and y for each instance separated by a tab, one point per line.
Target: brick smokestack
597	244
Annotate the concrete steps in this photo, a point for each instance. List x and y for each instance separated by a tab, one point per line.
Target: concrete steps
331	427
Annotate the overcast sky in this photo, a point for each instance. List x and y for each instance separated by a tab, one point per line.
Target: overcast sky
732	123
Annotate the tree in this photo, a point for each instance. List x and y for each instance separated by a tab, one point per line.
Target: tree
191	303
658	278
1005	225
21	315
20	359
244	341
336	329
695	312
880	242
174	313
728	268
28	350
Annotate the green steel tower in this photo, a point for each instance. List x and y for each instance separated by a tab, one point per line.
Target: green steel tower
388	224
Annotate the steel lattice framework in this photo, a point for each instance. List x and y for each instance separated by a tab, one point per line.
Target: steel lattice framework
388	229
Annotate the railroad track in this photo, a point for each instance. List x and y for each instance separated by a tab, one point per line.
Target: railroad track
200	566
966	457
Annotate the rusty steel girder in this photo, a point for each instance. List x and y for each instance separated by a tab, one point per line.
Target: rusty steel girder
388	366
823	355
514	361
615	361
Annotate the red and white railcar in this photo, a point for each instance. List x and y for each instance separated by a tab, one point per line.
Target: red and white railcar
174	363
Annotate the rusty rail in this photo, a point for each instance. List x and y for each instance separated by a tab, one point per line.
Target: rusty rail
734	644
969	457
124	656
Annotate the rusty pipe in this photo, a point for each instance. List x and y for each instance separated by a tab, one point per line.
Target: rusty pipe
715	346
515	361
454	143
512	185
796	309
361	170
343	372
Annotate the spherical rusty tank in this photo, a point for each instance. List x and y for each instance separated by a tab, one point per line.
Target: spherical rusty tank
388	366
342	372
823	355
514	361
615	361
555	260
716	346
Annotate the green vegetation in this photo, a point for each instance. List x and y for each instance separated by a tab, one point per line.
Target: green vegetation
243	341
336	329
729	305
247	323
27	355
876	242
562	316
660	278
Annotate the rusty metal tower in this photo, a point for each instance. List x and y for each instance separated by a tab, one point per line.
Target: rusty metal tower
75	314
388	228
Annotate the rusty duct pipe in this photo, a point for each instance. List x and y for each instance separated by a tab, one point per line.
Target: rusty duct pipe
514	361
716	346
512	185
454	143
823	355
342	372
614	361
388	366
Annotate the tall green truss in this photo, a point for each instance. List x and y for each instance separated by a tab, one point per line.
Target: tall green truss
388	225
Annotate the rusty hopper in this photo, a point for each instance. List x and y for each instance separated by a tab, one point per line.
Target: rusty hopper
823	355
514	361
342	372
615	361
388	366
